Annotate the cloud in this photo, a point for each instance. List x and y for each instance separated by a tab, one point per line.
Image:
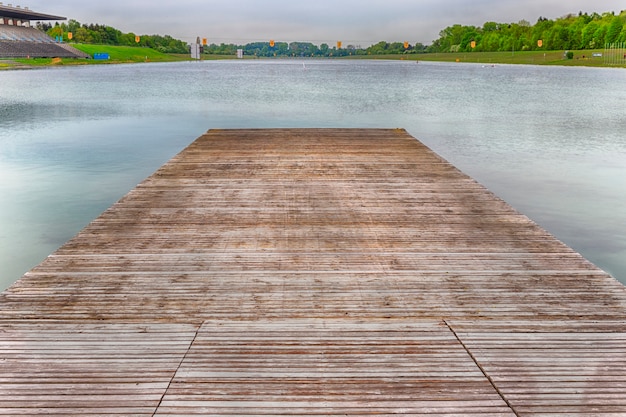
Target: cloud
317	21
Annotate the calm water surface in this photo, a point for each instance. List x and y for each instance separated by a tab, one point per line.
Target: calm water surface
551	141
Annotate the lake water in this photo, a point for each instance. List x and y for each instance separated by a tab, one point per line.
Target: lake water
551	141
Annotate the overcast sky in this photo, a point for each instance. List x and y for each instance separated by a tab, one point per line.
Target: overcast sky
361	22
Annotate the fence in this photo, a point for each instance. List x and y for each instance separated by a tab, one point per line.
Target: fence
615	54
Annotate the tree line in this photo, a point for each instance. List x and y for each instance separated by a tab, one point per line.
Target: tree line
582	31
575	32
308	49
74	31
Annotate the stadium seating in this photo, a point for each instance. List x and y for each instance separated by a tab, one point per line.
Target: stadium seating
23	42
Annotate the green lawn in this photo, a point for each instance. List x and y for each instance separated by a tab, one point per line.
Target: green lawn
581	58
128	54
117	54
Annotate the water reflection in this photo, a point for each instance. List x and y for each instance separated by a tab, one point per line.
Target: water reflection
548	140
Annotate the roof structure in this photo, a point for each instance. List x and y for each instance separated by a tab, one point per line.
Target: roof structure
24	13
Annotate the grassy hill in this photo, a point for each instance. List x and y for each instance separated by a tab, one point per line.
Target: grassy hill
117	55
128	53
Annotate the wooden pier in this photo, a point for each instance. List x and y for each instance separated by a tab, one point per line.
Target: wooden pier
313	272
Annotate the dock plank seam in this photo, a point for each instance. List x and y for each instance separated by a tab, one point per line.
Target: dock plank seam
180	363
484	372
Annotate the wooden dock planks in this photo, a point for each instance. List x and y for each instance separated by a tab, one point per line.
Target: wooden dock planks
318	272
88	369
333	367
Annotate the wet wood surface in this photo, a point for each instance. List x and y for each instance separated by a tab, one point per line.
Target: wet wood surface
313	272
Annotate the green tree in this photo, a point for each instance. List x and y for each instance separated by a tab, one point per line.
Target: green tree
396	48
568	32
599	37
490	42
451	36
127	39
44	26
614	30
83	35
588	35
73	26
490	27
55	31
470	35
541	31
378	48
622	36
576	32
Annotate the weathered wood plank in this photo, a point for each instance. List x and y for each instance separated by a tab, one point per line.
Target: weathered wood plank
302	367
313	272
83	369
304	203
552	367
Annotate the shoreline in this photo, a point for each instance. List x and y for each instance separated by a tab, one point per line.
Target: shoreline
582	58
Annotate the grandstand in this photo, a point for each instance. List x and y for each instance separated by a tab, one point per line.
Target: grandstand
19	40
